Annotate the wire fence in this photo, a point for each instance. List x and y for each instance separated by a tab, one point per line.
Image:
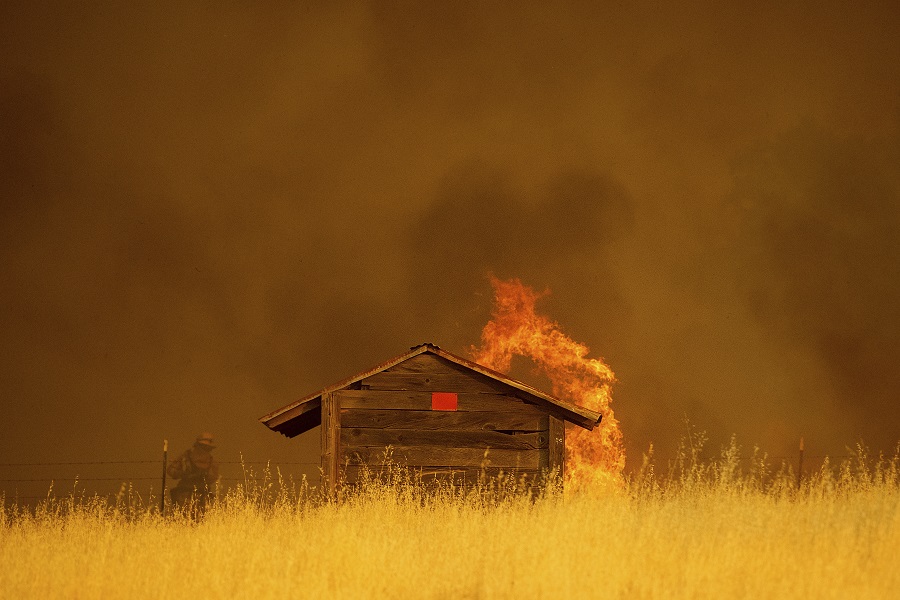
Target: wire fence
39	485
155	462
44	479
810	458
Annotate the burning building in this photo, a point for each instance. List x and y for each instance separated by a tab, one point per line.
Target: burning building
439	414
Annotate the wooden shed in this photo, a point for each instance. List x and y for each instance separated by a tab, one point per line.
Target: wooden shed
442	416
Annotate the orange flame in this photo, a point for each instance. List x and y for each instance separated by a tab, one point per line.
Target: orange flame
516	329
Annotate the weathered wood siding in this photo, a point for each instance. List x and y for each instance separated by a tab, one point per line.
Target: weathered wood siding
430	373
490	431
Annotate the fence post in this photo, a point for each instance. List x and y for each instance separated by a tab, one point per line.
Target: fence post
162	494
800	465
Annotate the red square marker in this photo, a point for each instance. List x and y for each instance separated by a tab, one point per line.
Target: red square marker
443	401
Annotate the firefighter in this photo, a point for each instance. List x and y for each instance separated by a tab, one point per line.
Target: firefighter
198	472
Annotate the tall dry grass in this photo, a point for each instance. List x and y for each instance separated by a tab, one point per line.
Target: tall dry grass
726	528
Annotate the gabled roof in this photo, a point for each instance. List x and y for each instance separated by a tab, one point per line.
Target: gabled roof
302	415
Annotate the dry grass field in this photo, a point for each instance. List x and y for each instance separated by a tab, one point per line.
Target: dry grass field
722	529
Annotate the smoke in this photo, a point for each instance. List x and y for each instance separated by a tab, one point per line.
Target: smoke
208	212
560	236
818	229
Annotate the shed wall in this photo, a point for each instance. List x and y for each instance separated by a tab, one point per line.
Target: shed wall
490	431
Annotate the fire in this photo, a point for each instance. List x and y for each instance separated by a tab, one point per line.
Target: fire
516	329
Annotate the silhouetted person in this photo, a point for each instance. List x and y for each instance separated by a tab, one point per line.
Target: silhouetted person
198	472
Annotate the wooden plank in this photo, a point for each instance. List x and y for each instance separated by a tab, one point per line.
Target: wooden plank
444	456
427	363
327	456
428	382
416	400
557	446
353	473
427	372
433	420
331	426
367	436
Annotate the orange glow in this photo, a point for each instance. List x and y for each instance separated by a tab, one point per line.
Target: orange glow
516	329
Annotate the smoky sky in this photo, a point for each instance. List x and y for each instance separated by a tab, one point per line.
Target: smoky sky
480	224
209	211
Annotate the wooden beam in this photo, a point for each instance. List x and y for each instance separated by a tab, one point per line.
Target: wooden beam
417	400
416	456
331	426
460	475
430	382
433	420
557	448
377	437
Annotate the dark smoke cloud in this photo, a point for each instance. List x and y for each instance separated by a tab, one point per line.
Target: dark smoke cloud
209	211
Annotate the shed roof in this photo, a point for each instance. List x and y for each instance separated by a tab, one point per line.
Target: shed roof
302	415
